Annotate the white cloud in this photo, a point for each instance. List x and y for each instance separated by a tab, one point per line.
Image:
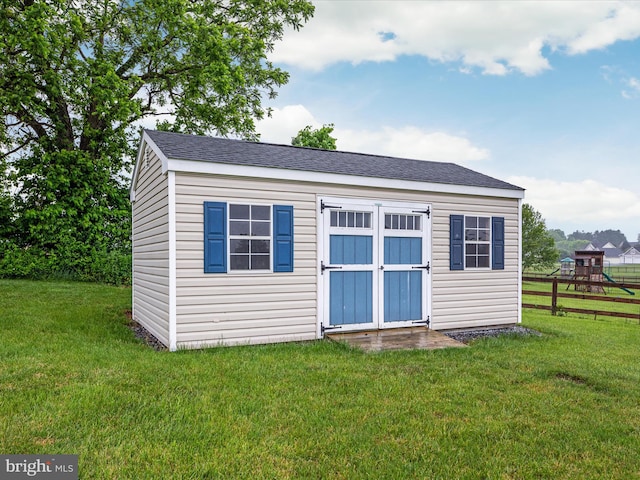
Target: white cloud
496	37
408	141
411	142
285	123
585	205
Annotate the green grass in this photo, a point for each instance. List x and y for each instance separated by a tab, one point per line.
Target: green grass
74	380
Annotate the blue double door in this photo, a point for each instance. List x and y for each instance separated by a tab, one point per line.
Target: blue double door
375	265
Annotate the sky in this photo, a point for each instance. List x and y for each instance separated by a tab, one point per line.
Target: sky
542	94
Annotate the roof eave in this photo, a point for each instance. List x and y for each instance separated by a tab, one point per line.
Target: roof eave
196	166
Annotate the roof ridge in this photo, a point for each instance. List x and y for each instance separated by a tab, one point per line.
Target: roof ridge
284	145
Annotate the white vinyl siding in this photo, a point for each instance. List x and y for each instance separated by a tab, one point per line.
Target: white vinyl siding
258	308
150	236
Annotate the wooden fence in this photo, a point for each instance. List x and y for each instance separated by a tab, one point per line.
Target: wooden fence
554	294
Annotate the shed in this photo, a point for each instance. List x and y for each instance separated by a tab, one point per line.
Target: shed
238	242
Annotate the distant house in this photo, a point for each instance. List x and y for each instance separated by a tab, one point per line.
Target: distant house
631	255
612	254
239	242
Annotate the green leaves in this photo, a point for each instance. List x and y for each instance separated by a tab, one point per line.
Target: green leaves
538	246
76	78
319	138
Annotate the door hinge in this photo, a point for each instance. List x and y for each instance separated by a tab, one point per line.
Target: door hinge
324	267
426	322
426	267
324	329
427	212
324	205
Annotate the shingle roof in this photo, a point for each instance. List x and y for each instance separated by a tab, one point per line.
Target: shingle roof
239	152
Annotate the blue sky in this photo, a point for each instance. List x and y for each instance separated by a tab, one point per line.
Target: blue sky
543	94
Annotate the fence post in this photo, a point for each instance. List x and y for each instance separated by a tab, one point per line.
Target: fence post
554	297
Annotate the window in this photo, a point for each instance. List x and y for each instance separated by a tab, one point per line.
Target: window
477	236
401	222
476	242
249	237
245	237
350	219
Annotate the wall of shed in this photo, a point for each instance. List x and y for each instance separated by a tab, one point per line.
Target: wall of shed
150	237
246	308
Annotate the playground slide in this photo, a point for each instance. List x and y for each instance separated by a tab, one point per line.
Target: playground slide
609	279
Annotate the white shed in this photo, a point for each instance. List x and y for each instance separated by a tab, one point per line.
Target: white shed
238	242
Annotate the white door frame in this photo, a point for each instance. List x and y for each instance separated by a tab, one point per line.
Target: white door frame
322	236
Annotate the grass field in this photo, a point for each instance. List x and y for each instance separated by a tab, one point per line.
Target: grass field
74	380
611	292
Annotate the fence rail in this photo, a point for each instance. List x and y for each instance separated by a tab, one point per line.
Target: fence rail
554	294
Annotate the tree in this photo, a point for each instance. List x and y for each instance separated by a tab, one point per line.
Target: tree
580	235
557	234
615	237
538	246
76	78
318	138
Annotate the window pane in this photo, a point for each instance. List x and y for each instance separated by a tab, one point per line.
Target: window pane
471	235
483	235
483	262
387	221
260	246
471	249
238	228
417	223
483	222
471	262
483	249
342	219
334	218
394	222
239	211
359	220
351	219
403	222
239	246
367	220
260	212
260	229
259	262
471	222
239	262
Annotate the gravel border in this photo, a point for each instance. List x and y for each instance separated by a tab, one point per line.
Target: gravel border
144	335
468	336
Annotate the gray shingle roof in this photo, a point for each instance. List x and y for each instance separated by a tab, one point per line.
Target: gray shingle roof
239	152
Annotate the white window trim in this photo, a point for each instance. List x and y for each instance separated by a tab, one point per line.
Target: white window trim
250	237
489	242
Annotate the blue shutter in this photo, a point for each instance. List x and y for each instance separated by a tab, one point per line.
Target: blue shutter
456	242
215	237
282	238
497	243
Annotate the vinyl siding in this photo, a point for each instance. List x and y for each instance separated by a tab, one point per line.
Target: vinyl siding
245	308
150	236
242	307
474	297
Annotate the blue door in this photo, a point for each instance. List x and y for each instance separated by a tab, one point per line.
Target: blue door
375	265
405	265
348	266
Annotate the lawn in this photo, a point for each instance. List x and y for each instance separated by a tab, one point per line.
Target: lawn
73	379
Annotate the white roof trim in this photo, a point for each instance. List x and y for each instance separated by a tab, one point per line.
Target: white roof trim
194	166
145	141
